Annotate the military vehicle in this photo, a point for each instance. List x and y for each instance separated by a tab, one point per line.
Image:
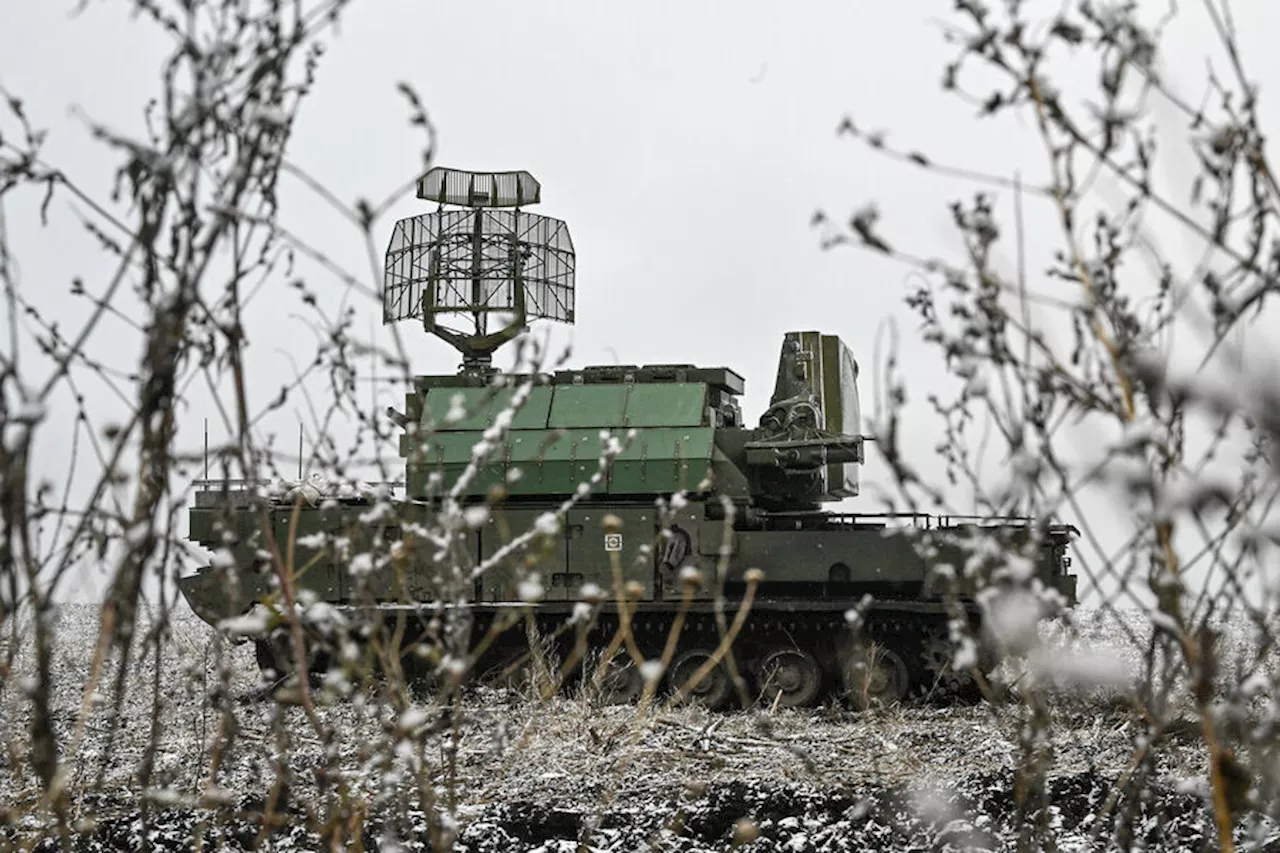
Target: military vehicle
557	506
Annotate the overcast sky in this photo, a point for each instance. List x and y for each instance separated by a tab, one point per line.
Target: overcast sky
686	145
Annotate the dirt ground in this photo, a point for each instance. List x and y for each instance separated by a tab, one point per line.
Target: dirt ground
555	775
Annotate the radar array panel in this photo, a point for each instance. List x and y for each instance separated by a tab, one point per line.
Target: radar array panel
475	259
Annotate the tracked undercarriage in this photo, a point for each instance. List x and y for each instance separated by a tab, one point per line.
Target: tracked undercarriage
783	655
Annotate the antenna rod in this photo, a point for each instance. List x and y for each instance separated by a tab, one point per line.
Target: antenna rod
477	282
299	450
206	448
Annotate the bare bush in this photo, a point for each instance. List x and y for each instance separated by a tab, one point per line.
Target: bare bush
1113	385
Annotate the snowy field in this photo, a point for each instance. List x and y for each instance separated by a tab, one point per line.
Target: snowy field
553	775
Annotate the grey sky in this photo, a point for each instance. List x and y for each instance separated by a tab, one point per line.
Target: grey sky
686	145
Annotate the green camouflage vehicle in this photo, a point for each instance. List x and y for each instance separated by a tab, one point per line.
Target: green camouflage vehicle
552	509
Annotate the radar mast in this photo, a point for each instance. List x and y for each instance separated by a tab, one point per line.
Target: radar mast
478	256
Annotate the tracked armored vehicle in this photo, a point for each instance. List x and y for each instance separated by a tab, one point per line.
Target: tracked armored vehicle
609	514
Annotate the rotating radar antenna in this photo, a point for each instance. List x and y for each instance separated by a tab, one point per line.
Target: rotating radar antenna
479	267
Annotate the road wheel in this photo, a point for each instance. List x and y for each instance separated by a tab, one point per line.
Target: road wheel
513	672
273	659
712	692
622	683
276	663
789	677
874	676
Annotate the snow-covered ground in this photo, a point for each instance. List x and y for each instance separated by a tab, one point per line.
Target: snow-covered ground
549	775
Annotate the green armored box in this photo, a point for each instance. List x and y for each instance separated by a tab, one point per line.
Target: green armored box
553	442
